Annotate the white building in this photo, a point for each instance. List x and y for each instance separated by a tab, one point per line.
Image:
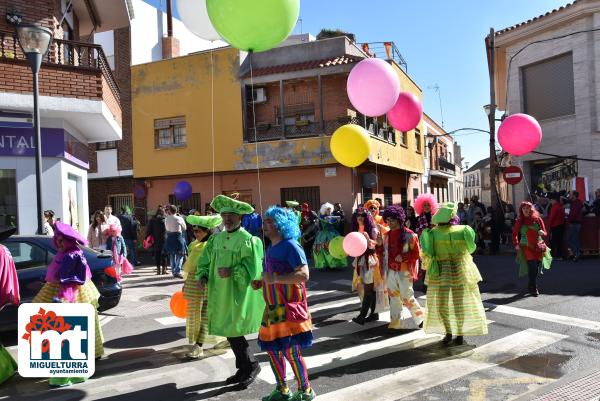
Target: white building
556	81
477	182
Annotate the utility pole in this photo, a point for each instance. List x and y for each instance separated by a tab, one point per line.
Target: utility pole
498	210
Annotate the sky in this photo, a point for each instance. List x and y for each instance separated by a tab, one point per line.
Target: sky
442	42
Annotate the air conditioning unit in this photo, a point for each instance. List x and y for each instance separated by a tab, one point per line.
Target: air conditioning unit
259	95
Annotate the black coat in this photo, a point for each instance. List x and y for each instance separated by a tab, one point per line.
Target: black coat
158	230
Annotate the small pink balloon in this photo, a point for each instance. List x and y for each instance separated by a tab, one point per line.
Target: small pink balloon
355	244
406	113
519	134
373	87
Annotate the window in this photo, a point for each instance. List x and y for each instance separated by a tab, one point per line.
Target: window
106	145
28	256
310	195
403	196
388	196
415	193
367	194
188	204
404	139
417	141
8	198
170	133
117	201
549	87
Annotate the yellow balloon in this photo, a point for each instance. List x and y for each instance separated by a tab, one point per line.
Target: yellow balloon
350	145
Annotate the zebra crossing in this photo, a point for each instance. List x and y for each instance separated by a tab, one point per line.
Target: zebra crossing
340	348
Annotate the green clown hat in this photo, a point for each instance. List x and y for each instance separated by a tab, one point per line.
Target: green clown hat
445	212
292	203
204	221
224	204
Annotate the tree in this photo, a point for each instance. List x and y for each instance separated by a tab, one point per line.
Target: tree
334	33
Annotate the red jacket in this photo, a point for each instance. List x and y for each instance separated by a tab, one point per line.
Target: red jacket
557	215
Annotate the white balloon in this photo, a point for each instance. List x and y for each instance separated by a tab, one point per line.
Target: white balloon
195	17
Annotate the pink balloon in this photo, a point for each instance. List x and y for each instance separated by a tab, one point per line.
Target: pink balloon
406	113
373	87
355	244
519	134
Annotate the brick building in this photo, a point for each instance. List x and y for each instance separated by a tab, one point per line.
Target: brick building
80	104
110	177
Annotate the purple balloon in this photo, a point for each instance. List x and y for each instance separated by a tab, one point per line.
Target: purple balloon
519	134
183	191
373	87
406	113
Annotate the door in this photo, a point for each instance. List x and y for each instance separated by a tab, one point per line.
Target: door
310	195
74	203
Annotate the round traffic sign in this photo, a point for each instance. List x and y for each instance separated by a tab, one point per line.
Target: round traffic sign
513	175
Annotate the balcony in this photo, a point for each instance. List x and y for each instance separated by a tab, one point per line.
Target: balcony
442	168
76	86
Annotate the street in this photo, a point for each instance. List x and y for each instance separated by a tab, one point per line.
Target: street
534	345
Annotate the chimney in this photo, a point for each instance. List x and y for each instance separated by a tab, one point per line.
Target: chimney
170	44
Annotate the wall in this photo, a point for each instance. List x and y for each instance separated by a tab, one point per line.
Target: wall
568	135
182	87
32	11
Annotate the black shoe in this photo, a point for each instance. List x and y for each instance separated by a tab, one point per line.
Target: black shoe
249	378
373	317
421	325
178	275
533	291
459	340
359	320
235	378
138	263
447	339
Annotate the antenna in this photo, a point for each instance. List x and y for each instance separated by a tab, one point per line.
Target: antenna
436	88
300	22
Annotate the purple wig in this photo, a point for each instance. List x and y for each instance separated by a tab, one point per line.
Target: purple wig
395	212
369	222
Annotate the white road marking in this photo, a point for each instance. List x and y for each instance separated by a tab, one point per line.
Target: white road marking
334	304
350	355
106	320
170	320
422	377
548	317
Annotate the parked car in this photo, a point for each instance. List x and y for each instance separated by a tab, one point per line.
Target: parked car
33	254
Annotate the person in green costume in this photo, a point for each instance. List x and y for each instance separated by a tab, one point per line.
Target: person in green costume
196	322
327	231
454	304
9	295
230	262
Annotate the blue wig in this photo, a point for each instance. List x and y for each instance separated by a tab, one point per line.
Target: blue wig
285	220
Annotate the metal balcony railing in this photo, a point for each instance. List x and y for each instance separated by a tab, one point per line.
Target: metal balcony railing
68	53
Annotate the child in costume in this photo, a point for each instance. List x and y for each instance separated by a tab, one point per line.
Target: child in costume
116	244
400	257
231	260
286	325
532	252
454	304
368	278
327	231
69	280
196	323
9	295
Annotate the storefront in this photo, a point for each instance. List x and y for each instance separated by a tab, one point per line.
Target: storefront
64	166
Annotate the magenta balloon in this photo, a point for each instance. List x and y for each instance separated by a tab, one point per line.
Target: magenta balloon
373	87
183	190
406	113
519	134
355	244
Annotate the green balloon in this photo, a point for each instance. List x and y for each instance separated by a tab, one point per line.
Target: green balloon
336	248
253	25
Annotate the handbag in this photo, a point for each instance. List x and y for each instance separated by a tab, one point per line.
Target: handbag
148	242
297	311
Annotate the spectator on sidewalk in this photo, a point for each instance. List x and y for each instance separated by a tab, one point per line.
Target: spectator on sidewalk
461	213
156	228
109	217
575	218
129	229
253	223
48	228
556	222
175	244
95	236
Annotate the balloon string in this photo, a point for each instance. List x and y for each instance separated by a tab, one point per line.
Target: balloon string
525	181
256	141
212	118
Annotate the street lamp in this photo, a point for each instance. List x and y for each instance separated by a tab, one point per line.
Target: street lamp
35	43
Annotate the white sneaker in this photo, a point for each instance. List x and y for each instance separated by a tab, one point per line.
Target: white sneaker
197	352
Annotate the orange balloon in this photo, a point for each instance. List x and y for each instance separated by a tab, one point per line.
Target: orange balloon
178	304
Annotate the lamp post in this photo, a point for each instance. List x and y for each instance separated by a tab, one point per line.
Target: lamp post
35	43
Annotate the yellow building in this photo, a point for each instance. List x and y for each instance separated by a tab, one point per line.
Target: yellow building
280	113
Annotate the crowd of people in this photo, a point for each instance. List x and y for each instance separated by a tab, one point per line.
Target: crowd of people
236	286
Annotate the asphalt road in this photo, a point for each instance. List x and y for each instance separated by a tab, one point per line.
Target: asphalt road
534	345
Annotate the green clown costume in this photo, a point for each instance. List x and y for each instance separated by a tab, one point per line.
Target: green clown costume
453	300
235	308
327	231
